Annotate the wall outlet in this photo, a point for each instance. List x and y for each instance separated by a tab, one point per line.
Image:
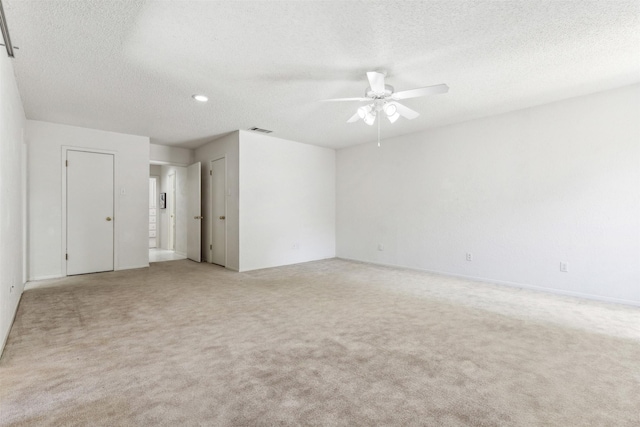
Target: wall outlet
564	267
380	247
469	256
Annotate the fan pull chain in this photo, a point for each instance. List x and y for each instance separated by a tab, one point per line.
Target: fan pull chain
379	120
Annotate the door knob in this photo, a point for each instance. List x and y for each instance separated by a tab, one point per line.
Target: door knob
108	218
222	217
198	217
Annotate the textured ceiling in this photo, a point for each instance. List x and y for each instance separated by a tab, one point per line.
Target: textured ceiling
132	66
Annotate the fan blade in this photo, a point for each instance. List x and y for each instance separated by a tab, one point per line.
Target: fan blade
405	112
345	99
354	118
422	91
376	81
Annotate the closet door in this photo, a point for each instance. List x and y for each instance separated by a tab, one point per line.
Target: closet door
90	208
194	212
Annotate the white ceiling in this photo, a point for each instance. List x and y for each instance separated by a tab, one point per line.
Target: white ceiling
132	66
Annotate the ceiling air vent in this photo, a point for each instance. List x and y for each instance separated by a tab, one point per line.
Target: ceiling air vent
260	130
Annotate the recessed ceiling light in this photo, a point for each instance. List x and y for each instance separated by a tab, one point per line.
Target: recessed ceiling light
200	98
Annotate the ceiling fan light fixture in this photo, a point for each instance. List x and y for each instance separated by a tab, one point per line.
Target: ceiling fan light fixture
200	98
390	110
383	97
393	117
363	111
369	119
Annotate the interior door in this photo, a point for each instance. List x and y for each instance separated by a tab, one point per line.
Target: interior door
219	212
90	218
194	209
171	201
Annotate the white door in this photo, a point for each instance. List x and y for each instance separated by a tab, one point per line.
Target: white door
219	212
171	201
194	208
89	212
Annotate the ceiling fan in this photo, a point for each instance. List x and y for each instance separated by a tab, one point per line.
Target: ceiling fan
381	98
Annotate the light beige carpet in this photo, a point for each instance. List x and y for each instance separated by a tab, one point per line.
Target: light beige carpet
329	343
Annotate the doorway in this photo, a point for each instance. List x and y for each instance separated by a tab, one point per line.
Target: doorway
178	214
90	207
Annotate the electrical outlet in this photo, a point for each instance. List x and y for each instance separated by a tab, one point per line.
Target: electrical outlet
469	256
380	247
564	267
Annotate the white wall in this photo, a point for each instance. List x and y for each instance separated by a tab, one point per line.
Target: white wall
161	154
12	224
181	208
228	147
287	202
522	192
46	142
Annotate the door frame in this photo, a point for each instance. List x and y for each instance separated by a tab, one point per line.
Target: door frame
116	211
226	231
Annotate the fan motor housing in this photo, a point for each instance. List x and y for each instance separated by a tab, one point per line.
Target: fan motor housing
388	90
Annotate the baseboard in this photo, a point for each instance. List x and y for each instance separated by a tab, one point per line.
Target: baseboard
510	284
132	267
184	254
38	278
13	319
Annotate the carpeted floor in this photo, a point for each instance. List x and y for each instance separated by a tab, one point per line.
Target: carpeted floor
328	343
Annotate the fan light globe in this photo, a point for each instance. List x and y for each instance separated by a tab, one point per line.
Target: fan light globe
390	110
369	119
362	112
